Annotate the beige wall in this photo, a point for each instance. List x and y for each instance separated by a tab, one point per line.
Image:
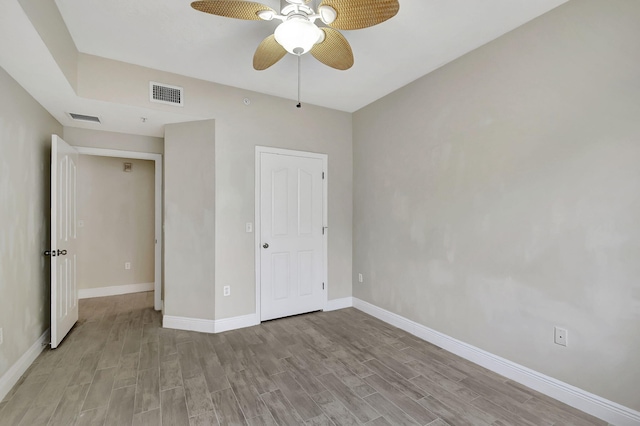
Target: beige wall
112	140
25	140
499	197
267	121
189	224
276	123
117	211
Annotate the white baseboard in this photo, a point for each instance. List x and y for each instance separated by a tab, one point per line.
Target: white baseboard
604	409
190	324
88	293
209	326
11	377
335	304
234	323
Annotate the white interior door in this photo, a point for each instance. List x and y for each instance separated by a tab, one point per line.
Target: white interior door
64	291
291	231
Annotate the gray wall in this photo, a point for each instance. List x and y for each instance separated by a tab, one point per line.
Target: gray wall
189	219
500	196
117	210
25	142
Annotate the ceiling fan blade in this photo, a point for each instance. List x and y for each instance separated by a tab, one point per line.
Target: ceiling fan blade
238	9
334	51
268	53
356	14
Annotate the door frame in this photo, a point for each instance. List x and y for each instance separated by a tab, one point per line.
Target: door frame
157	159
257	218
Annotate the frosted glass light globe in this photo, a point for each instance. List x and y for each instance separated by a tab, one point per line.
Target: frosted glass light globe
298	35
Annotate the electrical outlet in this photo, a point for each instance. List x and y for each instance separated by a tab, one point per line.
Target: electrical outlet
1	336
560	336
127	265
360	278
248	227
226	290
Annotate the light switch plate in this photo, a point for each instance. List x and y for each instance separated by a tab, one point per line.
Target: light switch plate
249	227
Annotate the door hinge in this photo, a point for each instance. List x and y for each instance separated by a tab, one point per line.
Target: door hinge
323	175
323	286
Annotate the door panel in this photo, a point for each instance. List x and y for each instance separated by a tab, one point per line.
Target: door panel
305	273
280	202
305	202
291	257
64	291
280	274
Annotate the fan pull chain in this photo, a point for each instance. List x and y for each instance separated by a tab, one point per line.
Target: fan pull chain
299	104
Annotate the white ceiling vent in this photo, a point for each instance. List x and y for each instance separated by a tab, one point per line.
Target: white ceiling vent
82	117
166	94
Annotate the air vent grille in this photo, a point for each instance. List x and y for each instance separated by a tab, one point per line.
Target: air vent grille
166	94
82	117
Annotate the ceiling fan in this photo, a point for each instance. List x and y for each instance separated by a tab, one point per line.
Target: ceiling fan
298	33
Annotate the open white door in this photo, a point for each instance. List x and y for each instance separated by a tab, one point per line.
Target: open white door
291	230
64	291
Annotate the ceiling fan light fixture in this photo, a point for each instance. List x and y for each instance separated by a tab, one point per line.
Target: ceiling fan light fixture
327	14
266	15
298	35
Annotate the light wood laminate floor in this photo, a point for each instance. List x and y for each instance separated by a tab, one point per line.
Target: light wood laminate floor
119	367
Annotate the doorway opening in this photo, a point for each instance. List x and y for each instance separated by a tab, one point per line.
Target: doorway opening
122	223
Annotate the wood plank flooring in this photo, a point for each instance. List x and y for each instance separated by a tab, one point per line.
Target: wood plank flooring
119	367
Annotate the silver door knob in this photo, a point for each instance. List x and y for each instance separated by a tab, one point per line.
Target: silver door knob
265	245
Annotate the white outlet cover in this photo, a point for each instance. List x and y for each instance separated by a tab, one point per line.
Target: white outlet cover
560	336
226	290
360	278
